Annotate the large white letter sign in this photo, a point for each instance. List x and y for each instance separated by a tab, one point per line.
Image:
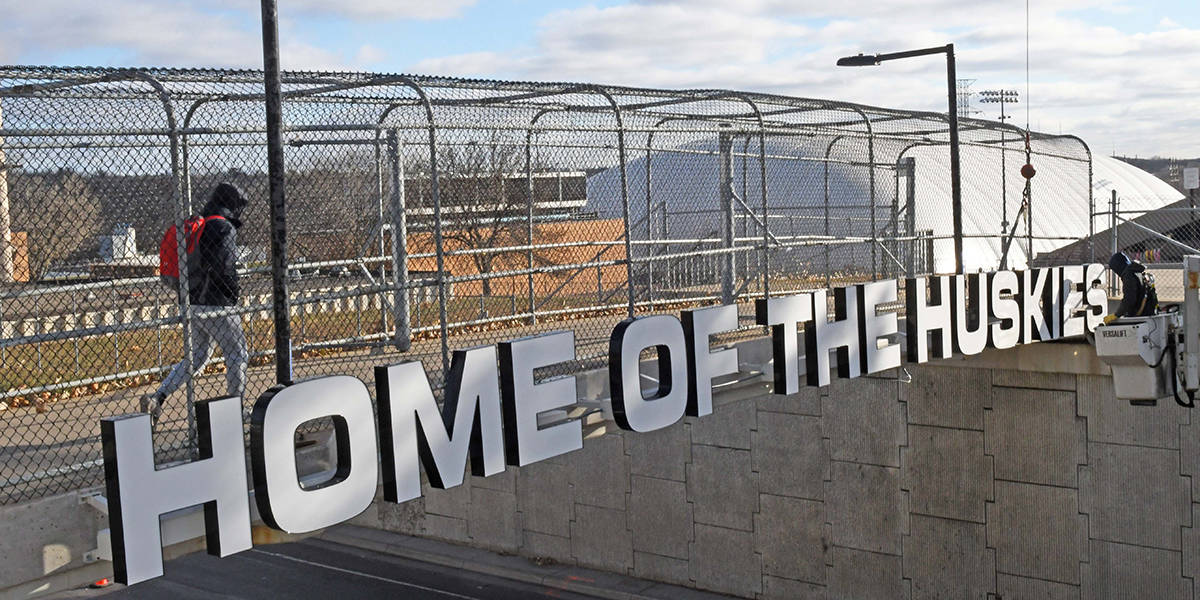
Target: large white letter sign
1095	294
1071	293
1052	299
874	327
283	504
840	336
1035	325
784	315
412	431
970	299
524	398
703	364
631	409
1006	333
924	317
138	495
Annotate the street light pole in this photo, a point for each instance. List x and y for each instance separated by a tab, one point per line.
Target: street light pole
863	60
955	166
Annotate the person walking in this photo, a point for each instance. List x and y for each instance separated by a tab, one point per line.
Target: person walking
213	288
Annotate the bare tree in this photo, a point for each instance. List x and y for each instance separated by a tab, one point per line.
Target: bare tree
332	204
483	207
60	214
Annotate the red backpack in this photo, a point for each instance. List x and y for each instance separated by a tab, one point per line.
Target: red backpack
168	249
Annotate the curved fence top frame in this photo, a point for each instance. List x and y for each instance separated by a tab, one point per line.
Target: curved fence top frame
773	112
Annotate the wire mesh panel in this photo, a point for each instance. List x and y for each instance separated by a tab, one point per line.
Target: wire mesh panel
426	214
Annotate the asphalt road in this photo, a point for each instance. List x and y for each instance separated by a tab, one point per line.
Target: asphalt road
316	569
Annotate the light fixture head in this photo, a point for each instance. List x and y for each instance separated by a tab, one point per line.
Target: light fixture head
997	96
862	60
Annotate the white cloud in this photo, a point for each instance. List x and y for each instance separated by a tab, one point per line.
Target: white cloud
1104	84
298	56
655	34
153	33
361	10
146	32
369	55
650	44
193	33
381	9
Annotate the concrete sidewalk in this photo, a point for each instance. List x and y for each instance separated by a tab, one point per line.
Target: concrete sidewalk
517	568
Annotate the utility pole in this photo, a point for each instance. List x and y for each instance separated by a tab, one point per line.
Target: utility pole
864	60
1191	181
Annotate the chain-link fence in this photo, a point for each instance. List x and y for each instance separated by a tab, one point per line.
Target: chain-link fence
426	214
1158	237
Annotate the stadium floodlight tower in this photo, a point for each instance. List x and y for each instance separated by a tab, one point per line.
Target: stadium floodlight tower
1002	97
871	60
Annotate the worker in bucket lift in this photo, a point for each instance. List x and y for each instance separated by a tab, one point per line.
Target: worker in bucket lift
1140	299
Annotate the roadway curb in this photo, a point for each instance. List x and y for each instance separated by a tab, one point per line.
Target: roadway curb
579	580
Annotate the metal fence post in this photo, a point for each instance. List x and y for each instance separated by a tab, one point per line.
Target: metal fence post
1091	208
874	227
746	215
910	212
1112	224
870	131
529	219
649	218
381	217
273	95
725	184
435	192
828	265
629	291
183	210
399	227
766	218
7	262
1029	223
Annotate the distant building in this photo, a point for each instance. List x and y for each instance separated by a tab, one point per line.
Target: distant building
119	256
557	195
912	200
120	246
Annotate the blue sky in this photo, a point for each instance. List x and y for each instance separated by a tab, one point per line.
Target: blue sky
1123	74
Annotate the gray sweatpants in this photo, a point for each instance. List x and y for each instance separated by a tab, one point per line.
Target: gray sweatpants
225	331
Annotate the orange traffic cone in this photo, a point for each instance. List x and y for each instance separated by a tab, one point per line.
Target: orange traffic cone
102	583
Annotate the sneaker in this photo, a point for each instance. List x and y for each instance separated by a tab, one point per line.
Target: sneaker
151	406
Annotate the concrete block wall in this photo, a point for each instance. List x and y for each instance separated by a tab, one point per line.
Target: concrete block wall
971	480
44	545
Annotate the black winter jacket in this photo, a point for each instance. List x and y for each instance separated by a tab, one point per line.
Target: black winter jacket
1134	292
212	268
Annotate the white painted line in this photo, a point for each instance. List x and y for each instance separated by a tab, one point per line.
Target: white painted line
367	575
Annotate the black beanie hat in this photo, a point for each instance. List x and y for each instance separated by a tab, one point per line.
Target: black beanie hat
1118	263
230	196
